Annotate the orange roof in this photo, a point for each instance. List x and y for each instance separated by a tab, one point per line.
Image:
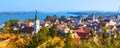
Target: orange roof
26	23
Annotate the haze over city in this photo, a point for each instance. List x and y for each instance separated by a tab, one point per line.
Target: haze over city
59	5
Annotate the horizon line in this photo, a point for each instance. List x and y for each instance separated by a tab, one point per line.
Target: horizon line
63	11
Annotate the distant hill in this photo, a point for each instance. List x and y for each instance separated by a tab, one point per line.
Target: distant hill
95	12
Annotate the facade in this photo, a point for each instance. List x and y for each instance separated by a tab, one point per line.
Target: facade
36	23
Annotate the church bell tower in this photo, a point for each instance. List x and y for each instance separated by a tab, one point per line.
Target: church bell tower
36	23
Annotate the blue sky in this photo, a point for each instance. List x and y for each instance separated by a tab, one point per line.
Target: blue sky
59	5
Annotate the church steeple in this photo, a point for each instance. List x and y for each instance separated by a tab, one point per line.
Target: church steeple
36	15
36	23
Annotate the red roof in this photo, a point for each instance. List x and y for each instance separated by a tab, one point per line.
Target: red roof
82	31
83	35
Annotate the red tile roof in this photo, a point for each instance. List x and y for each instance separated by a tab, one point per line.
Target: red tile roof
83	33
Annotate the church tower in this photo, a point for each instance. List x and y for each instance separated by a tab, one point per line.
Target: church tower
93	17
36	23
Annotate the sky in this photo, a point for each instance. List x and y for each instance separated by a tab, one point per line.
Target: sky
59	5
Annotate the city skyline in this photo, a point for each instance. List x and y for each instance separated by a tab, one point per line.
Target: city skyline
61	5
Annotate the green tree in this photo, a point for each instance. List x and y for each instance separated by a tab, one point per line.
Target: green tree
10	23
92	32
62	18
15	31
6	29
104	29
38	39
101	17
69	41
51	18
53	31
30	20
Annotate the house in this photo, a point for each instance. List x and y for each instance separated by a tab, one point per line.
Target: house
28	30
20	24
74	34
14	28
62	29
83	34
47	23
111	22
